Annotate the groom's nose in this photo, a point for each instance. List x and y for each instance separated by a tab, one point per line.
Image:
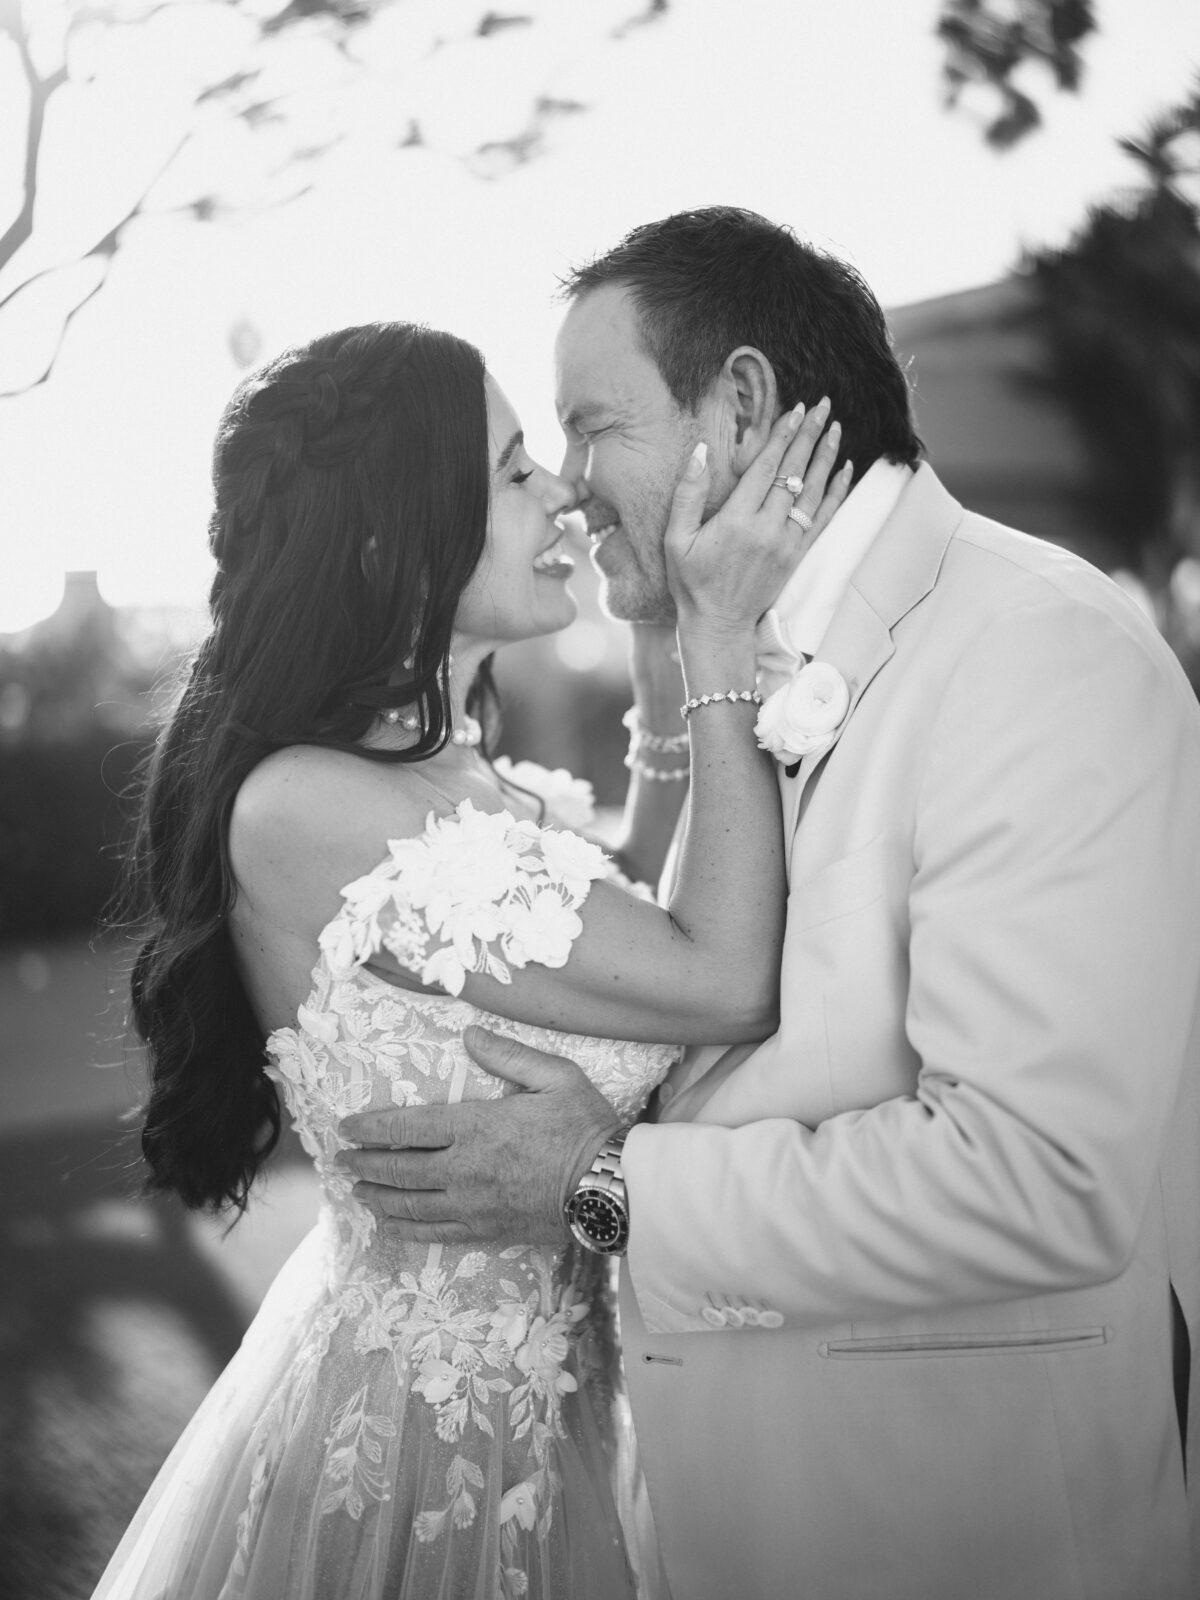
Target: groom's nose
574	471
562	495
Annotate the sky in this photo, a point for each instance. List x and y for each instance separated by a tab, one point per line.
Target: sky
826	116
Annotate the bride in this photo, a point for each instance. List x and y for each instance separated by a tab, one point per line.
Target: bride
338	880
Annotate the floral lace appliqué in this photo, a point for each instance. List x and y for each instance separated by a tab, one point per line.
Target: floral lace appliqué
441	1361
477	892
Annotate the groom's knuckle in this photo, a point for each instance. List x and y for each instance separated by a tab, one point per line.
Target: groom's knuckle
393	1170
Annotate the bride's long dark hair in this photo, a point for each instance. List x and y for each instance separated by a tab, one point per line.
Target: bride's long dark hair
351	502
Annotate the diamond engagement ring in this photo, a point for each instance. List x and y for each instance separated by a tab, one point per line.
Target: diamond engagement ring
801	518
793	483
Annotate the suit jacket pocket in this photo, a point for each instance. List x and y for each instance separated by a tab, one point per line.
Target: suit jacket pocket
1046	1341
842	887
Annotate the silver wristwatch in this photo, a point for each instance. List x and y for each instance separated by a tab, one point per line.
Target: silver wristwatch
598	1211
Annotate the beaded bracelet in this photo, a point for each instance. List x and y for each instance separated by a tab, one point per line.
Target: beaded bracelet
751	696
659	774
640	738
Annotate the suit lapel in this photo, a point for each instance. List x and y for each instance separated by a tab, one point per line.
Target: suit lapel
896	574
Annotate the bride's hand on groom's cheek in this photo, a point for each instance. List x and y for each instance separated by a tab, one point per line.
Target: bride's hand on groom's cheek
482	1170
726	566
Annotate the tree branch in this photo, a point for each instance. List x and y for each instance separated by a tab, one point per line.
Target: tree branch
40	90
99	250
108	244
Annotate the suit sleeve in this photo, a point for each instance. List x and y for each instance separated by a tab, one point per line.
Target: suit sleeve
1054	965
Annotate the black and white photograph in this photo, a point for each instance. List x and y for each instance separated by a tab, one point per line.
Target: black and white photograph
599	800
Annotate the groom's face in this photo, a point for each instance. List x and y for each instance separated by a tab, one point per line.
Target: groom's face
627	442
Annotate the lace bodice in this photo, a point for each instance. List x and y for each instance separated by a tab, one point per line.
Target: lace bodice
477	892
483	1332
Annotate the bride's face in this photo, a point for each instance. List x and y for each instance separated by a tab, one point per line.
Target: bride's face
519	589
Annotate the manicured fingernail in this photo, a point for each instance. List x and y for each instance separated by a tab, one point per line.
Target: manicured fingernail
822	410
697	462
797	416
848	471
835	432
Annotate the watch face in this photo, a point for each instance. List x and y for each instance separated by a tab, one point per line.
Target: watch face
601	1220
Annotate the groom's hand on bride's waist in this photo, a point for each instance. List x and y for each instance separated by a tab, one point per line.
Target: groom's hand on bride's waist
482	1169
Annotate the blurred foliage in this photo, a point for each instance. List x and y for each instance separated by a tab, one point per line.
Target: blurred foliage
1120	308
73	707
989	41
284	72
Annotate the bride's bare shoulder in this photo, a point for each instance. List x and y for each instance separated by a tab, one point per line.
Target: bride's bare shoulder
328	809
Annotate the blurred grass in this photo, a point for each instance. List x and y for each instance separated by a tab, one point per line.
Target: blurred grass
117	1312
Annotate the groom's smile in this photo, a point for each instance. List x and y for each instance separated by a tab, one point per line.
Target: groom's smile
626	443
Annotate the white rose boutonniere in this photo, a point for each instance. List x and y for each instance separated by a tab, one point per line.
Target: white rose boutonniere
803	717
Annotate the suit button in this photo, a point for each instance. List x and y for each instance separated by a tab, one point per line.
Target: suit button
751	1316
712	1316
734	1317
770	1319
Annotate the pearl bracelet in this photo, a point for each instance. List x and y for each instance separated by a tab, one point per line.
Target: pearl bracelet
751	696
661	774
640	737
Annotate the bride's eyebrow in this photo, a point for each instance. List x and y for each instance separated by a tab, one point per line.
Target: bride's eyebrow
506	455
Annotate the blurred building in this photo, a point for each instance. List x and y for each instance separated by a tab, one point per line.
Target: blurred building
998	438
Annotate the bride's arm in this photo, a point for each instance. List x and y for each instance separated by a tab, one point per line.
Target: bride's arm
705	966
658	760
702	968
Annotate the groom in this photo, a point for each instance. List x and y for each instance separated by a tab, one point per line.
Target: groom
911	1287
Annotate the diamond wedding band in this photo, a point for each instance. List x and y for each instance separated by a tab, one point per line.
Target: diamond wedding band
801	518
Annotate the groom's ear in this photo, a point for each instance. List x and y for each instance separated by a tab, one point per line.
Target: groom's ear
752	397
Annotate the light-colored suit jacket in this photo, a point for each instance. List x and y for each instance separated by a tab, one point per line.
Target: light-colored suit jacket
907	1284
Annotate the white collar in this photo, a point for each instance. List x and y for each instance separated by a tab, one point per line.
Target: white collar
796	624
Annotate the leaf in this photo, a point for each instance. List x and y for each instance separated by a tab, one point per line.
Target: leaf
482	1423
428	1525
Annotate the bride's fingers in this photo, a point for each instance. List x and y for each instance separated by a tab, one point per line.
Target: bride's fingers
792	436
810	518
803	456
807	490
769	474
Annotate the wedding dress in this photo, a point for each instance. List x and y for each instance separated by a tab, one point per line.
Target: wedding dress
413	1422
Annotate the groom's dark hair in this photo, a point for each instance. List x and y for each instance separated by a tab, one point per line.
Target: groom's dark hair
707	281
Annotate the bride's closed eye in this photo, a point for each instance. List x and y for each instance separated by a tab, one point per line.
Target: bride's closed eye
521	477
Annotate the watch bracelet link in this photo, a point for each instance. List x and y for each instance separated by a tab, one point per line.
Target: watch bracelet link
607	1166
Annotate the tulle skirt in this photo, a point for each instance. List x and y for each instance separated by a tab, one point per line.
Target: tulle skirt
315	1470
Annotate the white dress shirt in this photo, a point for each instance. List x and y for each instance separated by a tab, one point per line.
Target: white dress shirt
795	625
791	631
